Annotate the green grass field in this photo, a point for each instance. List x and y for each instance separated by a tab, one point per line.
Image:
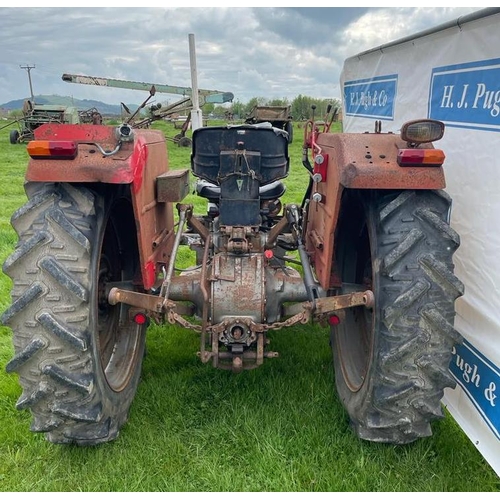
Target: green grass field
194	428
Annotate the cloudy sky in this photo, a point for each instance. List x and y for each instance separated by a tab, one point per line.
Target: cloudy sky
270	52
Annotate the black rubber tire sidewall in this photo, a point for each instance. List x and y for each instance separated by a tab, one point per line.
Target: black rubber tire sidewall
407	365
14	136
70	398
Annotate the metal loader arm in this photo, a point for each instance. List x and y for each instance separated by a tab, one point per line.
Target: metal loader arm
212	96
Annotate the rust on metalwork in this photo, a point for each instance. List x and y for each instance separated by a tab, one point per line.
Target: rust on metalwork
363	162
146	302
205	288
198	226
90	165
275	231
247	360
172	186
316	239
326	305
369	161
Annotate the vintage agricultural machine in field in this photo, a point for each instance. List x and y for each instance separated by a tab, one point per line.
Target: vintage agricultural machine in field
157	111
34	115
277	116
96	259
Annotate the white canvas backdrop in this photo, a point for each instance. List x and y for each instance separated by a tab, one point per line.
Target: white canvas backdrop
452	74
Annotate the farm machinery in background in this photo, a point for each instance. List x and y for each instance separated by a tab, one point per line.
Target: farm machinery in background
281	117
278	116
158	111
34	115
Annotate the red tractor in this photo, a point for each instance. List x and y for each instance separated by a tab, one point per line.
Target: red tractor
98	241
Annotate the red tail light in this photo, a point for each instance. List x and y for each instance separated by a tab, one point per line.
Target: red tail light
63	150
334	320
140	318
420	157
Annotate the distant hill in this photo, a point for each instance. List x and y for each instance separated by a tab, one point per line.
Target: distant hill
80	104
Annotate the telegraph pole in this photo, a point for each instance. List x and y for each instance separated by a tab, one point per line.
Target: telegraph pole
28	69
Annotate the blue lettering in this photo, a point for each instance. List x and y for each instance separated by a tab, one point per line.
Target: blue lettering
467	95
479	378
373	98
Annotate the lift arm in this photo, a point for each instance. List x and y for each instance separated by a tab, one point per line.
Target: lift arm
212	96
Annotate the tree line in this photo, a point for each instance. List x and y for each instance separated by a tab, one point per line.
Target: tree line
301	107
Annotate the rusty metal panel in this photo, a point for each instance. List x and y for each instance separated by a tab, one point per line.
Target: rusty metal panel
238	287
172	186
90	165
155	221
137	163
369	161
269	113
357	161
322	221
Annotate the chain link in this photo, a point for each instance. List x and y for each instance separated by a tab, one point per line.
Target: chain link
302	317
173	318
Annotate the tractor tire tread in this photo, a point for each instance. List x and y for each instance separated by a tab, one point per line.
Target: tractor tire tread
49	318
416	293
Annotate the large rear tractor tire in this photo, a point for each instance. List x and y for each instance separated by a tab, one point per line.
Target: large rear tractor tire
78	358
391	361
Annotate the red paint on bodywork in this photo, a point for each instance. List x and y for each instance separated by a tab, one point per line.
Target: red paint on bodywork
362	162
90	165
149	274
138	163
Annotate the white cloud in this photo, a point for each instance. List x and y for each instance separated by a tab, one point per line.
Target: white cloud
271	52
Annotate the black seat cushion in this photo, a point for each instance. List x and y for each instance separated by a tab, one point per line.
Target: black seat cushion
211	191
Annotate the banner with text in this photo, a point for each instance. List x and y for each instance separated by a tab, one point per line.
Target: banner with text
452	75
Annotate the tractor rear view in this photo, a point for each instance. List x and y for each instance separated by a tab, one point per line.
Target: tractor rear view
97	250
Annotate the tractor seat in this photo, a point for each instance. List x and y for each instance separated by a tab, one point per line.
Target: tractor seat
211	191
